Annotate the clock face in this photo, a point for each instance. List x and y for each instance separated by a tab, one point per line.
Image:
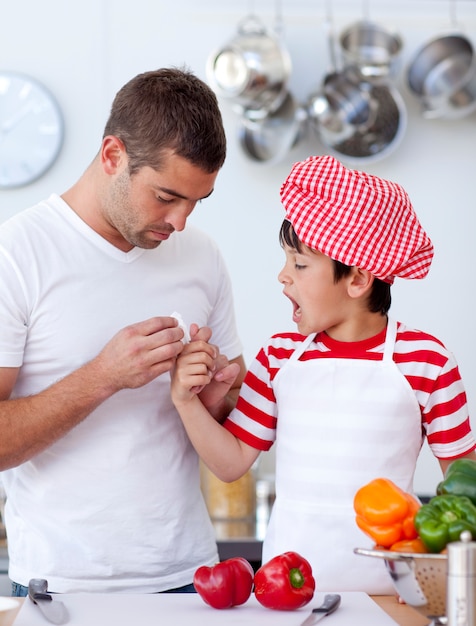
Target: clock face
31	130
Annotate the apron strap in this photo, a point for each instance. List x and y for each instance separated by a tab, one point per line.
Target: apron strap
390	338
302	348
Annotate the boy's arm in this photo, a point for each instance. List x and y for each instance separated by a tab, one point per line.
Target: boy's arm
219	396
445	462
225	455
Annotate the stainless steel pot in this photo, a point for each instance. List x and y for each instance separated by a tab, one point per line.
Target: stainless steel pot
442	75
252	70
376	137
269	140
372	49
340	106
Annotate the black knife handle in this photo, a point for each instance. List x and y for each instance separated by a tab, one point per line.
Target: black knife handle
329	605
42	596
37	589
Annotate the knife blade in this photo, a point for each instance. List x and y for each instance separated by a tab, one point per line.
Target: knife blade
330	604
54	610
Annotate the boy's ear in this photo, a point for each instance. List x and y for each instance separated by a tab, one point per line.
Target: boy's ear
359	282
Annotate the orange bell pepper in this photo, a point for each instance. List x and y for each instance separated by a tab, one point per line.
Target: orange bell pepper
410	545
385	512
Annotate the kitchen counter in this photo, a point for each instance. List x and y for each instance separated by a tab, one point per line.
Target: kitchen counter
404	615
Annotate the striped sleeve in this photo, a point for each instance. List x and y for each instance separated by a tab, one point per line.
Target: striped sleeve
434	376
255	416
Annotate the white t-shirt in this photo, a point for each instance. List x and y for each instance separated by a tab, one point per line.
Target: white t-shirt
115	505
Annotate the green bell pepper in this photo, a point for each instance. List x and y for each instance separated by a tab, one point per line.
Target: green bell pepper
460	479
443	519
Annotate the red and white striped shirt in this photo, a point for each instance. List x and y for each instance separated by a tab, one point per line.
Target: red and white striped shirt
430	369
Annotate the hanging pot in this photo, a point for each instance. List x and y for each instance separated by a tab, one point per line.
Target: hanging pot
340	106
372	49
268	140
252	70
379	135
442	75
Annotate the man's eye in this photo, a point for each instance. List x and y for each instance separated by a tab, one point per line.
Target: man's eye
165	200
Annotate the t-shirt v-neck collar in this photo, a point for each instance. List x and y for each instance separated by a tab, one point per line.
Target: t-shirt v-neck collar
97	240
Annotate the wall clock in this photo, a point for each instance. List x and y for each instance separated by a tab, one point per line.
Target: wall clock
31	130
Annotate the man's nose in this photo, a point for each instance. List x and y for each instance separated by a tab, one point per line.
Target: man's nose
178	216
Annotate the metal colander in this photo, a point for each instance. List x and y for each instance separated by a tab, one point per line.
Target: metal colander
419	579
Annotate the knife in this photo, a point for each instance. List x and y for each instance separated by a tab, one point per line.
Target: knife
54	610
330	604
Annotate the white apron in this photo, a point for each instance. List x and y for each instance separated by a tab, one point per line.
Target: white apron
341	423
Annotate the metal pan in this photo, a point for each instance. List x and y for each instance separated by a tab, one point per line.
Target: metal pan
374	50
269	140
442	75
340	106
380	135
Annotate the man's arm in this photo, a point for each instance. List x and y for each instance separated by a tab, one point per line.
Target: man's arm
135	356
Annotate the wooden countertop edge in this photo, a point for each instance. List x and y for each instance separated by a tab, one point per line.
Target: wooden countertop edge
403	614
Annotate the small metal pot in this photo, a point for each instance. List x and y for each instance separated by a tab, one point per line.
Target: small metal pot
372	49
377	137
269	140
252	70
442	75
340	106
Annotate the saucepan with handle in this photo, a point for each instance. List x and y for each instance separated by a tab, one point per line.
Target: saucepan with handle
268	140
252	70
442	75
373	49
341	103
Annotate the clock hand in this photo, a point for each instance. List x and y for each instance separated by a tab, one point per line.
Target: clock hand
7	125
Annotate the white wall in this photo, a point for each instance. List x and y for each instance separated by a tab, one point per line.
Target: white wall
85	51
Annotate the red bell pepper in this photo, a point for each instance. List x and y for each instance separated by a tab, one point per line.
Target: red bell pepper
285	582
226	584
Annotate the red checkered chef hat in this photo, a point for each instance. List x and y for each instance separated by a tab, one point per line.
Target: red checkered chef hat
357	219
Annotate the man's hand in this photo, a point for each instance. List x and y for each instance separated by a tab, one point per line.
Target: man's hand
139	353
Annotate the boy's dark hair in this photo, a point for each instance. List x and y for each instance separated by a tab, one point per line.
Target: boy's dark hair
168	109
380	297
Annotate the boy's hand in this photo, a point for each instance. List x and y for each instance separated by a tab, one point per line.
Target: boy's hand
192	371
222	380
223	373
201	369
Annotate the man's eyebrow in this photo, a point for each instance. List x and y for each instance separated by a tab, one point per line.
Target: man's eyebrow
179	195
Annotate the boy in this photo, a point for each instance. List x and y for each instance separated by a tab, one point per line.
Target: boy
351	395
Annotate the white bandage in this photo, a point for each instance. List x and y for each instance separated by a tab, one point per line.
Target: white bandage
181	323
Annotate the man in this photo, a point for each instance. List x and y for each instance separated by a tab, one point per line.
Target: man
102	482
